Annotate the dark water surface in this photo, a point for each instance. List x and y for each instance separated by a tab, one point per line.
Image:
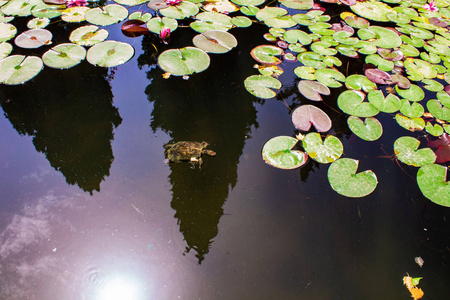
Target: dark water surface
89	210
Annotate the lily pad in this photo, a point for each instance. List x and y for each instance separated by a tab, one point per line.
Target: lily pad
435	130
261	86
306	115
130	2
34	38
325	151
298	4
43	10
312	89
411	124
107	15
157	24
215	41
369	130
211	21
110	53
372	10
241	21
7	31
438	110
74	14
432	182
64	56
414	110
267	54
88	35
5	50
37	23
389	104
305	72
184	9
312	59
360	83
386	38
345	181
17	69
329	77
278	152
21	8
414	93
405	149
377	76
352	102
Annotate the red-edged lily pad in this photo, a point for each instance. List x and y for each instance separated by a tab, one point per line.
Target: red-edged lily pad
442	146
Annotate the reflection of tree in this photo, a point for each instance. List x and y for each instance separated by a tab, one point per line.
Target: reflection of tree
211	106
70	115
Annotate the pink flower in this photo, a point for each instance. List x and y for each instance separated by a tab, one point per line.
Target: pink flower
172	2
73	3
165	35
431	6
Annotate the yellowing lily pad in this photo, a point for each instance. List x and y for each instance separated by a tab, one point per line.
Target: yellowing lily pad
325	151
405	149
64	56
88	35
215	41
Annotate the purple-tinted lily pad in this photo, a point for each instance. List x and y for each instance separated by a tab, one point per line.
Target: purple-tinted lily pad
438	22
312	89
377	76
394	55
401	81
306	115
442	146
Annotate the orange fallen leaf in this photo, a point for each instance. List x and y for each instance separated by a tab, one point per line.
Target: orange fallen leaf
416	292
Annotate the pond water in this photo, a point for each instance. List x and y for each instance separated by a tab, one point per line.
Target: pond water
89	209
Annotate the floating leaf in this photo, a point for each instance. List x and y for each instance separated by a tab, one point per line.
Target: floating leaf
157	4
37	23
414	93
107	15
17	69
260	86
5	50
439	111
183	10
64	56
369	130
34	38
306	115
312	89
435	129
443	148
413	124
74	14
313	60
222	6
351	102
372	10
21	8
267	54
110	53
325	151
211	21
215	41
377	76
305	72
405	149
298	4
134	28
432	182
345	181
130	2
157	24
278	152
7	31
269	12
360	83
88	35
381	63
43	10
241	21
401	81
386	38
414	110
329	77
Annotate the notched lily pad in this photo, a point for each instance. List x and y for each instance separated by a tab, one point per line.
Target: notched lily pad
369	130
267	54
215	41
17	69
406	150
306	115
323	151
261	86
279	152
352	102
432	182
313	89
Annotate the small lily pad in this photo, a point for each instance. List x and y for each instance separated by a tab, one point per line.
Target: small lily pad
278	152
184	9
88	35
438	110
5	50
267	54
330	77
372	10
386	38
157	24
345	181
405	149
352	102
74	14
305	72
211	21
360	83
64	56
369	130
414	110
298	4
432	182
411	124
17	69
414	93
215	41
34	38
37	23
261	86
110	53
325	151
306	115
312	89
7	31
435	130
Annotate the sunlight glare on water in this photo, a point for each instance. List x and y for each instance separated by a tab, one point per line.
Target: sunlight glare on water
121	287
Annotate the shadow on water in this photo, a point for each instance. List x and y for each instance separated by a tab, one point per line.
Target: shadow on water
71	119
212	106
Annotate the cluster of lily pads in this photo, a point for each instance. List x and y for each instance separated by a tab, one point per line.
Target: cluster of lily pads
405	58
406	52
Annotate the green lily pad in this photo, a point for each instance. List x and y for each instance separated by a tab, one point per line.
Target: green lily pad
331	61
325	151
432	182
312	89
130	2
365	47
304	19
356	22
107	15
137	15
215	41
369	130
352	102
249	10
347	50
306	115
398	18
372	10
241	21
88	35
323	48
444	98
269	12
37	23
211	21
295	35
381	63
305	72
281	22
411	124
184	9
33	38
43	10
414	93
17	69
298	4
261	86
64	56
267	54
438	110
5	50
248	2
7	31
432	85
386	38
415	32
157	24
278	152
405	149
425	69
345	37
311	59
110	53
435	130
389	104
345	181
321	28
360	83
414	110
330	77
409	50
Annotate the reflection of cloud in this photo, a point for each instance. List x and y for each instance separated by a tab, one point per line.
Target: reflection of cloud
23	262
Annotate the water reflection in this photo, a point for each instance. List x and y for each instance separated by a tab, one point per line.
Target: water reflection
71	119
212	106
